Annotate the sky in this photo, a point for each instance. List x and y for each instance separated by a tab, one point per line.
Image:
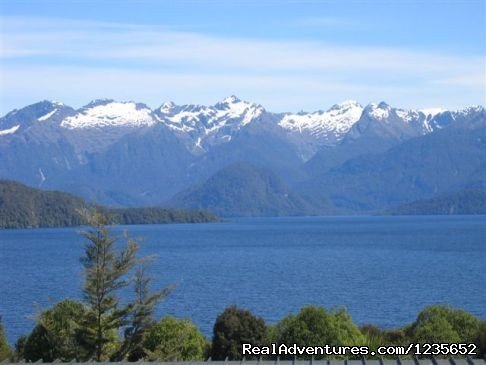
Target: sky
285	55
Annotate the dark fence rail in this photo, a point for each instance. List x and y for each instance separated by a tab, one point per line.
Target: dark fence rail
398	361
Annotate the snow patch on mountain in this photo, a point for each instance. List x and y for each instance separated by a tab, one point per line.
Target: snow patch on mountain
47	116
101	114
431	112
337	120
469	110
209	124
9	130
379	111
231	110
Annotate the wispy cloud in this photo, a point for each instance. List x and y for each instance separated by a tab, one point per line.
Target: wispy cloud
327	22
65	58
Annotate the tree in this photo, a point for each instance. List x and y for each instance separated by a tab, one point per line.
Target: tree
5	352
105	275
141	317
444	324
232	329
56	334
175	339
315	326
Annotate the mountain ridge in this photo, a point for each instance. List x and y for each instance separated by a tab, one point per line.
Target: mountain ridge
126	154
200	125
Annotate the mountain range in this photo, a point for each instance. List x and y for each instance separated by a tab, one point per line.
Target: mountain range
238	159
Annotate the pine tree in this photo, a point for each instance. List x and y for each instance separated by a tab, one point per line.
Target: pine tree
105	273
141	317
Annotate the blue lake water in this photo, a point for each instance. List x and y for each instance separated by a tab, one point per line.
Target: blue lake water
383	269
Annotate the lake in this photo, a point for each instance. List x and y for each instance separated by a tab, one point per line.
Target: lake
383	269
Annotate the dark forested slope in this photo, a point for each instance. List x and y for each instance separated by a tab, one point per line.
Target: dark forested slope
22	206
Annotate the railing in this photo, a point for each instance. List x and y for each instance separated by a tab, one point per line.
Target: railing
398	361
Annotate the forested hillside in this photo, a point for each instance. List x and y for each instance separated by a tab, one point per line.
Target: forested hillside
22	207
469	201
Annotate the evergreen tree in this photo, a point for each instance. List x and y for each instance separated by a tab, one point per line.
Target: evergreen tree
105	273
141	317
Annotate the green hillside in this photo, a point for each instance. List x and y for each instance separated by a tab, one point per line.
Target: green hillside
22	207
243	189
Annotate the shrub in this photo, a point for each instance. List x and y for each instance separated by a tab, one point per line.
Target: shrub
56	334
232	329
443	324
175	339
315	326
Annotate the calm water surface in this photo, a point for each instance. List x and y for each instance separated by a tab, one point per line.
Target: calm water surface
383	269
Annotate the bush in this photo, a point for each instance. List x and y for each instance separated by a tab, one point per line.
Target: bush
376	336
314	326
5	352
56	334
175	339
443	324
232	329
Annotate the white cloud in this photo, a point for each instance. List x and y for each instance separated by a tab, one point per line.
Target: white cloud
83	60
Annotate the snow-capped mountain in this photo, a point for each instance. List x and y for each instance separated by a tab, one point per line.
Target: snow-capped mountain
123	152
331	124
202	126
384	121
109	113
17	121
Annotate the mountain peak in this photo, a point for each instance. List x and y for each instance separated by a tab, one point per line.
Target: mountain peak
379	111
110	113
96	102
383	105
231	99
432	112
167	107
346	105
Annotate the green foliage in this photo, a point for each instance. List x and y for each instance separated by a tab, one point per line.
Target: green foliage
314	326
443	324
480	339
232	329
154	215
141	318
56	334
24	207
72	330
175	339
5	351
19	354
376	336
105	274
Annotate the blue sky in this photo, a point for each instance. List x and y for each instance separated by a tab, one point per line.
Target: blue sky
285	55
